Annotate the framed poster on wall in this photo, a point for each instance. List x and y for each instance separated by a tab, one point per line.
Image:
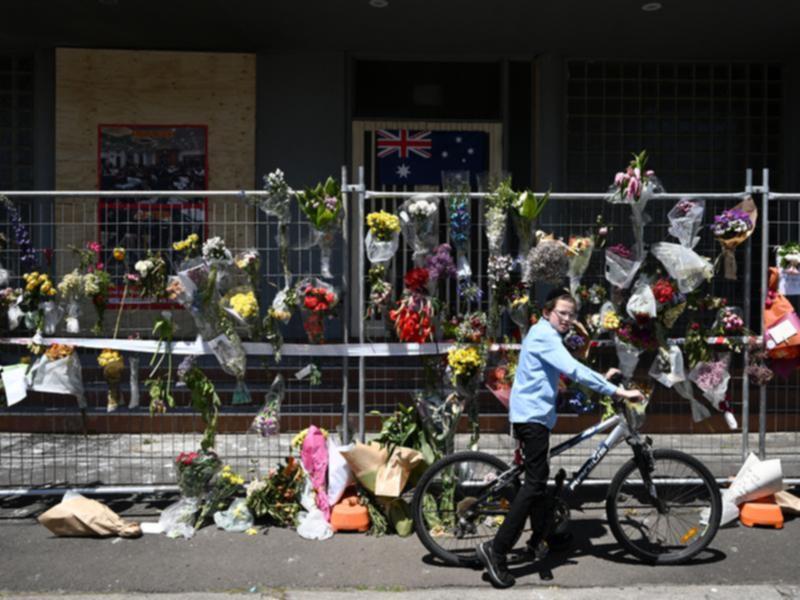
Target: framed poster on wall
150	157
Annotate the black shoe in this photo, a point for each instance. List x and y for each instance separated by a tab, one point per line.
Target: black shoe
496	569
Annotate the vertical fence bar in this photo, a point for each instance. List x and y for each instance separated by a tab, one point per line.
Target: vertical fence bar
361	199
762	392
748	289
345	295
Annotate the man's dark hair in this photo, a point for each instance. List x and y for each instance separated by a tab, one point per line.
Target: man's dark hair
554	296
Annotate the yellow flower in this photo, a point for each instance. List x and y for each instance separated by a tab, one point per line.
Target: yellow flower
46	287
611	321
51	292
251	531
108	357
244	305
119	254
464	361
383	225
521	301
280	315
297	440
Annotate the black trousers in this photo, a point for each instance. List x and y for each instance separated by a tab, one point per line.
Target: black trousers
531	499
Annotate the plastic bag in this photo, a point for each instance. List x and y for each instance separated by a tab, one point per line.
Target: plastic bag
686	220
699	410
667	369
72	321
419	222
15	314
314	455
628	356
177	520
53	314
267	421
237	518
339	474
684	265
642	302
755	479
712	378
620	271
62	376
379	251
326	239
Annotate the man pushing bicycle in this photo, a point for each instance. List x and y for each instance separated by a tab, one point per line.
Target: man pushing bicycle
532	412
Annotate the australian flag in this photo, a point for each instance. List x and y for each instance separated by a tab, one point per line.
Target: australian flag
408	157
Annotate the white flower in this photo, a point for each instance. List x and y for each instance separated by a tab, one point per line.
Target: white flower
143	267
214	248
422	208
91	284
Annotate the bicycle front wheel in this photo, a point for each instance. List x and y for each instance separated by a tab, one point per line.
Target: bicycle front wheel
453	512
672	521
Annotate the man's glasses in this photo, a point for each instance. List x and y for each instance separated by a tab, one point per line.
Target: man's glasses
565	315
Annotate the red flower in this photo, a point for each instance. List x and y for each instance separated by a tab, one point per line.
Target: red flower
416	280
695	326
663	291
311	302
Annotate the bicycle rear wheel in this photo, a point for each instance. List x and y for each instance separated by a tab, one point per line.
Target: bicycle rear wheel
448	519
689	513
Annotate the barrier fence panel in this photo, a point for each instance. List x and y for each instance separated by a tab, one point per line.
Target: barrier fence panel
47	441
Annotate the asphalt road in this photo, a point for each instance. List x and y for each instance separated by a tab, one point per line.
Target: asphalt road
33	560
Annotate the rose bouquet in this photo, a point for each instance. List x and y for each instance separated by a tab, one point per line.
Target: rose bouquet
630	340
110	361
323	206
670	302
621	265
686	220
609	318
414	314
195	471
318	300
547	262
267	421
419	220
525	209
732	228
383	236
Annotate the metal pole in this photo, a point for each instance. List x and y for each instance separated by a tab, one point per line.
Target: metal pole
762	392
360	200
345	313
748	289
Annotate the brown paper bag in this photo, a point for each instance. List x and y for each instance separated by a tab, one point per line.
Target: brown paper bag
364	461
80	516
789	503
393	476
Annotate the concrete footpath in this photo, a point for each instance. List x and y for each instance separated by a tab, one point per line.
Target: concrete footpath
740	563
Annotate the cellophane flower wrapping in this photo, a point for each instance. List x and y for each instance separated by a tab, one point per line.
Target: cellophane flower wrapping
547	262
668	368
326	240
712	378
699	410
642	303
277	200
195	472
628	356
621	270
317	300
684	265
52	313
267	421
419	221
609	317
686	221
732	228
788	258
379	251
580	255
241	305
58	376
440	417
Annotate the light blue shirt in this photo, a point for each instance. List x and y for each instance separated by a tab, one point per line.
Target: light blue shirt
542	360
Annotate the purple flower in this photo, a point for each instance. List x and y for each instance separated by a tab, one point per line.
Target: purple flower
27	255
440	264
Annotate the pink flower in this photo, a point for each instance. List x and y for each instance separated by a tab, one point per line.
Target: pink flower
634	187
649	173
619	178
637	172
94	247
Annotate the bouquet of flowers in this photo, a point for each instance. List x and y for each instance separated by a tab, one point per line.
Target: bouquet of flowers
732	228
667	368
686	220
497	205
323	206
471	329
577	341
414	315
189	247
548	261
152	276
635	186
249	262
383	236
9	302
284	302
96	286
621	265
242	306
713	377
669	301
789	269
630	340
267	421
58	371
684	265
195	471
27	255
277	495
317	301
579	255
419	220
456	183
609	318
204	399
277	203
440	266
110	361
500	378
466	365
642	305
518	305
225	485
71	288
215	251
526	208
37	296
380	291
499	269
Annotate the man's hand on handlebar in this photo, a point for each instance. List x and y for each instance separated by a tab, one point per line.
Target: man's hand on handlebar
614	375
633	395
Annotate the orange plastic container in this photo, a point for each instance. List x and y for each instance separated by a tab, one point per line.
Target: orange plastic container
764	512
349	515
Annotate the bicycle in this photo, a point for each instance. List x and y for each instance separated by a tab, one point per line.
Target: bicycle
663	506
